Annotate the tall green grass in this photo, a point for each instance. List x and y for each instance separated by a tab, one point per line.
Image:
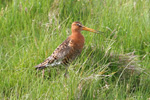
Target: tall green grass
32	29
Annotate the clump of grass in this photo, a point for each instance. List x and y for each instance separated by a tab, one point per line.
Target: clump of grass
128	64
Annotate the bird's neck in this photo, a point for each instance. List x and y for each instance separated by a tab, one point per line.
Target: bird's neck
78	39
77	35
74	31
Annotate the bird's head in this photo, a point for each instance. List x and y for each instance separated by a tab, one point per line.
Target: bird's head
77	26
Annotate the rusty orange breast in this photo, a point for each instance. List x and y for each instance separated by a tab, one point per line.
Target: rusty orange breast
77	40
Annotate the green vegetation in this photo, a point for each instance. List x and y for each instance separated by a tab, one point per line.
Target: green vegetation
30	30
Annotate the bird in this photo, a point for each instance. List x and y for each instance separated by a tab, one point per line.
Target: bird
69	50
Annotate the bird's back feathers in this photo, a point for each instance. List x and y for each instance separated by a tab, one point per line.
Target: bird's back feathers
63	54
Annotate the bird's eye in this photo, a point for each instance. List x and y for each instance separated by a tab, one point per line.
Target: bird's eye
79	25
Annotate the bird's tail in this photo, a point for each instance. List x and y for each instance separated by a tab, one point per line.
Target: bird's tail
45	64
42	65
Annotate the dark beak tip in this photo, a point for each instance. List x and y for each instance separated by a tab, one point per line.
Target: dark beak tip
99	32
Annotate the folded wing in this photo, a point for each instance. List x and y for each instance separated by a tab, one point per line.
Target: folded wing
63	54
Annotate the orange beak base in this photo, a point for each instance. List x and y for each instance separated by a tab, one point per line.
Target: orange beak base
89	29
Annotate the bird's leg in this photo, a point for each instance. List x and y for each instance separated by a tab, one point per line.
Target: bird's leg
49	73
66	72
43	73
37	73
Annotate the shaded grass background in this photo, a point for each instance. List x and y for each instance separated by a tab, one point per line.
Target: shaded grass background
31	30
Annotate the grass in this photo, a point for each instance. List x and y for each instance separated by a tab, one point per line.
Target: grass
31	30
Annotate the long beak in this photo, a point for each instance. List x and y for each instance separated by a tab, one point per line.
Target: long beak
89	29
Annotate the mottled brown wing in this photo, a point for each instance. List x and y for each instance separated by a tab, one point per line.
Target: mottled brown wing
61	54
